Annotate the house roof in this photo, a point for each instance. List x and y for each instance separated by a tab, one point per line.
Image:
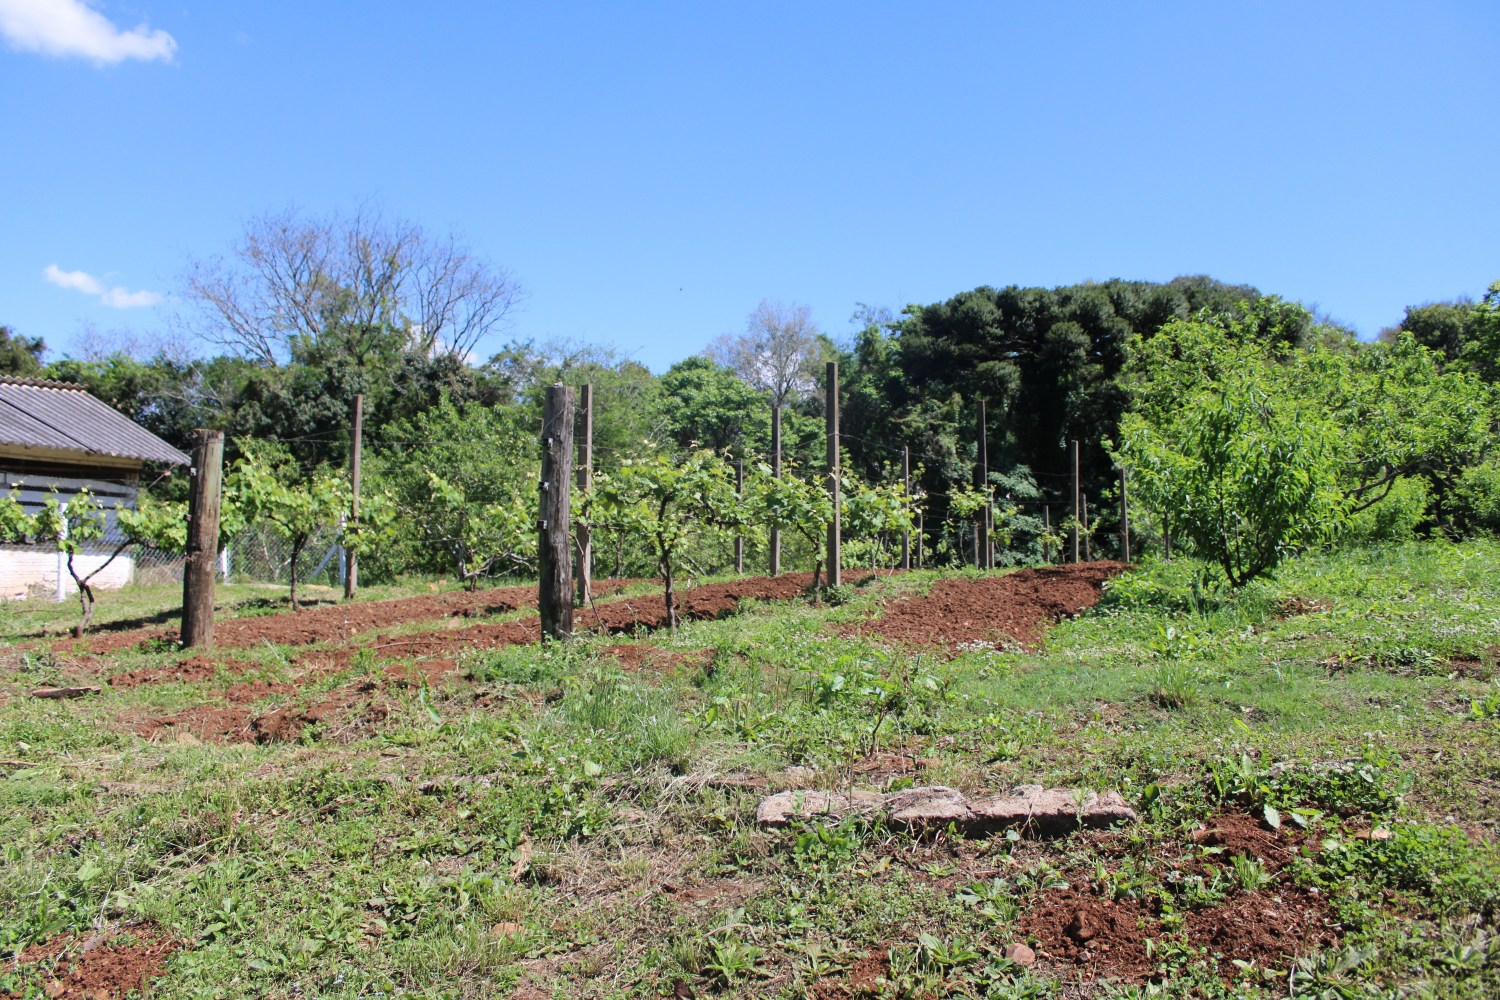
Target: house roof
62	416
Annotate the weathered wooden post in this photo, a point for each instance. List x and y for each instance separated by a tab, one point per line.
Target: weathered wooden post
1047	530
554	557
1073	532
982	475
1083	527
739	539
356	445
1124	517
835	547
586	482
202	540
775	474
906	492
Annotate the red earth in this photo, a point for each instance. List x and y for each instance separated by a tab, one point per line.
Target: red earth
116	964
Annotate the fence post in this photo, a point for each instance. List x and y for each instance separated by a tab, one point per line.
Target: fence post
202	540
835	547
586	482
1083	528
982	540
739	493
1047	530
775	474
906	493
356	445
1074	532
554	555
1124	517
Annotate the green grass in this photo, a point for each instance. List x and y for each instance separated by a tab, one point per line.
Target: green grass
552	824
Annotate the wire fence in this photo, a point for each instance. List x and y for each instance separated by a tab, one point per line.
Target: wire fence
258	554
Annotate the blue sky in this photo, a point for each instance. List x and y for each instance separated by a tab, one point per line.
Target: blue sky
651	171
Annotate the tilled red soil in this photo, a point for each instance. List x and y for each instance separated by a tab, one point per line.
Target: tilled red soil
336	622
433	654
114	965
1269	926
1013	608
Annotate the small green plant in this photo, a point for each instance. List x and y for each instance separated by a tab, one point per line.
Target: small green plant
939	955
1488	706
1249	873
1173	685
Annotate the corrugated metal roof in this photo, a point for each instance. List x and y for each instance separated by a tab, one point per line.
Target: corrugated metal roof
42	413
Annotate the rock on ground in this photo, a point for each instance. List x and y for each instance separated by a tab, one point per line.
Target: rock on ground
1043	811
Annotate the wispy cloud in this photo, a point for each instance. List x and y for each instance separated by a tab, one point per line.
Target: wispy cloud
116	297
73	28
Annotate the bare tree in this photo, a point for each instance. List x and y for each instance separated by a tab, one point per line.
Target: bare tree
350	286
778	353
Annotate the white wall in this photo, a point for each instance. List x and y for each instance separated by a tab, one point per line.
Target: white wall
31	570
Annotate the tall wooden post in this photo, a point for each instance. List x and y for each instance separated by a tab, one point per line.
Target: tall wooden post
906	492
982	474
1124	517
1047	530
1083	522
555	558
1077	511
585	573
835	547
202	540
356	446
775	474
739	539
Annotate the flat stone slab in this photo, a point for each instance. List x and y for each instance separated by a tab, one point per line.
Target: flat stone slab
1038	810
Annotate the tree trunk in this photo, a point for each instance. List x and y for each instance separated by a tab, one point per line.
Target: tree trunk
671	596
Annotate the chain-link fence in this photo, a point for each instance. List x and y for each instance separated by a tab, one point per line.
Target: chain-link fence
259	554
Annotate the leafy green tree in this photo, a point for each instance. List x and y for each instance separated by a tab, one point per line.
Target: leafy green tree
20	355
1465	332
705	405
296	506
463	477
668	503
794	504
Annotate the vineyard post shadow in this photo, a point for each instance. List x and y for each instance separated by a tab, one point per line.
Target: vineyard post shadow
554	555
831	407
202	548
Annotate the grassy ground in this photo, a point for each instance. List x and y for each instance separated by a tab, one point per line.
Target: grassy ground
550	824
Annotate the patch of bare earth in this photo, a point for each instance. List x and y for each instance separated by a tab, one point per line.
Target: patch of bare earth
1267	927
114	964
1010	609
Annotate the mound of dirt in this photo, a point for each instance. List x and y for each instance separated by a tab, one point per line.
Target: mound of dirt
1011	609
110	965
190	670
640	657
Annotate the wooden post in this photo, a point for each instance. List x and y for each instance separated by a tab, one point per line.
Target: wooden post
739	539
1077	514
1047	529
1083	528
1124	517
202	540
585	573
906	492
356	446
982	538
775	474
554	556
835	548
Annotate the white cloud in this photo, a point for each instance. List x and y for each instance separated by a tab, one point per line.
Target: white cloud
117	297
79	281
73	28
